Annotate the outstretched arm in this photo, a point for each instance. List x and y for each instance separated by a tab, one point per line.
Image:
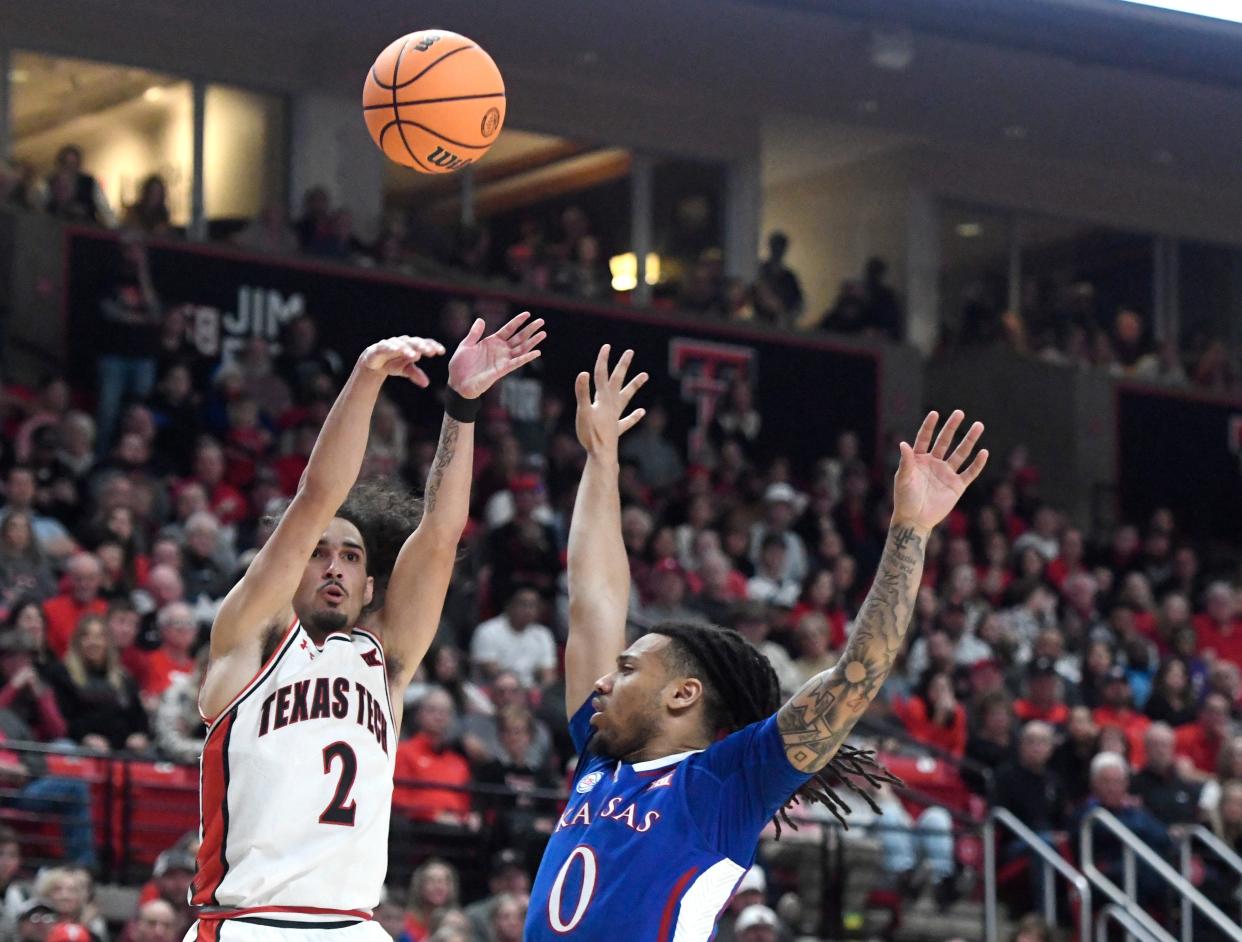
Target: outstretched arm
599	572
819	717
263	594
424	566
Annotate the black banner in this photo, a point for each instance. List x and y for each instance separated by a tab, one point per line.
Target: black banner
1183	452
806	390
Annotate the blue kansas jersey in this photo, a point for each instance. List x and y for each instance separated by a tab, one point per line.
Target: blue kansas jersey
651	851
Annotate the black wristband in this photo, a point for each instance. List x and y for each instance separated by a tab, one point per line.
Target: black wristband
458	407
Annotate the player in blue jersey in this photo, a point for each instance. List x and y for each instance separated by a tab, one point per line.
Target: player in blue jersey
686	751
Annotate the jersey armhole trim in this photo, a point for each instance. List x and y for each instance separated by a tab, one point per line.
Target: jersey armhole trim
211	721
374	639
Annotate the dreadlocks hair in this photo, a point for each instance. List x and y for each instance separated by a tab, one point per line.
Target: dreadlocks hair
739	688
385	513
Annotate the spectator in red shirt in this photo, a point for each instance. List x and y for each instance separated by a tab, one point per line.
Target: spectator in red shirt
289	467
123	624
934	716
1069	561
819	595
178	631
1117	710
23	692
1220	625
1044	700
427	758
1199	743
224	500
64	611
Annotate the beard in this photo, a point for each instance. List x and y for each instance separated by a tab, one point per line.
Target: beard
324	621
614	743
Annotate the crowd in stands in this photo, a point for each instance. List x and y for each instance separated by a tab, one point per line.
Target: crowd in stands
1073	327
1068	670
562	254
559	253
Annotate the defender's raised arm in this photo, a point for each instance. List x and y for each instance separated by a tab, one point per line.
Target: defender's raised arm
599	572
929	483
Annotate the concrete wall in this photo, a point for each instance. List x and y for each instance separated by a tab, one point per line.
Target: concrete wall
839	218
1064	417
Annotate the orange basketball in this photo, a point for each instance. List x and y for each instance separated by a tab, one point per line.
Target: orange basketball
434	101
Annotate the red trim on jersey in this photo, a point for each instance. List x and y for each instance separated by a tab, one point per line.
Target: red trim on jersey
212	720
213	808
216	916
208	931
666	921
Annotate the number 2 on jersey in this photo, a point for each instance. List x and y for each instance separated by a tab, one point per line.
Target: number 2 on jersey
338	812
590	876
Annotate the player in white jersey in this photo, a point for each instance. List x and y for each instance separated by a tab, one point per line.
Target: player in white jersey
310	655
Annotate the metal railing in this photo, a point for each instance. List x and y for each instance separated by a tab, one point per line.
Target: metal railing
1124	918
1133	846
1050	860
1185	839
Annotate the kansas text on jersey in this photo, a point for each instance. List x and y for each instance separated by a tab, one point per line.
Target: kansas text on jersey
296	784
652	851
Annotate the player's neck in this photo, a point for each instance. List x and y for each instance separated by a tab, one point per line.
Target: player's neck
663	744
320	637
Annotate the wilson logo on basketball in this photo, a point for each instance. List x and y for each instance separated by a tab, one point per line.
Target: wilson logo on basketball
446	160
491	121
426	43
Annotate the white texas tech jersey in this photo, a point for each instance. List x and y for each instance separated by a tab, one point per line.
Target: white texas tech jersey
296	783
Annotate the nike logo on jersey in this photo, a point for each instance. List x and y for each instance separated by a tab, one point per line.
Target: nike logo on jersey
372	658
334	699
629	816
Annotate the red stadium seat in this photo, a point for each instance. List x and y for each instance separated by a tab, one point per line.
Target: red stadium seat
155	805
933	778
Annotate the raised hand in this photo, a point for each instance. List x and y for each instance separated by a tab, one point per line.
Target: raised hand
929	484
600	423
480	361
399	356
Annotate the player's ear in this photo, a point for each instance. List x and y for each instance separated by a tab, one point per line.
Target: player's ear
370	593
685	693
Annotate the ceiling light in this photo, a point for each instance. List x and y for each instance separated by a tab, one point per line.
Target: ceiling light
18	76
1163	157
1016	132
869	106
969	230
589	57
154	93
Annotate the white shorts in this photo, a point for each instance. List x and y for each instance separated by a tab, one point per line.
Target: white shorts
264	929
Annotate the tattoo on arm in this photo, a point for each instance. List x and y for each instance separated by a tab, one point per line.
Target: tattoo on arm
819	717
444	457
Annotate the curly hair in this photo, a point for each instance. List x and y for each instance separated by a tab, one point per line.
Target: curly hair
385	514
740	688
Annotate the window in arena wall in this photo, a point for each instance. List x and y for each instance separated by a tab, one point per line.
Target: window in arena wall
548	212
1209	289
129	123
688	207
975	249
244	155
1078	276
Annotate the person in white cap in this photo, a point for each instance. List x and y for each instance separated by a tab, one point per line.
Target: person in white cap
781	504
757	924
